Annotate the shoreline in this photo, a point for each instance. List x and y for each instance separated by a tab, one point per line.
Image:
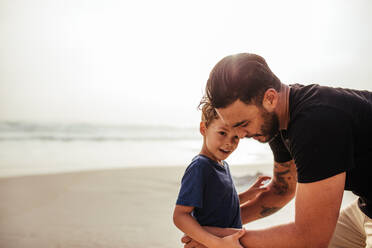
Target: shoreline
239	169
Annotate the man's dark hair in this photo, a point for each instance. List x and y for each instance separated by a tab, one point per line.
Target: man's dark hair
243	76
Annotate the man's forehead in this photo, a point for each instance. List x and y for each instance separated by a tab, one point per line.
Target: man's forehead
228	119
237	113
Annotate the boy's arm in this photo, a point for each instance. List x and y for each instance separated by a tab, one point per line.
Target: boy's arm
280	191
185	222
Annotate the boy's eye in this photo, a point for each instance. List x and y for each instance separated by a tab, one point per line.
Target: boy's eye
244	125
222	133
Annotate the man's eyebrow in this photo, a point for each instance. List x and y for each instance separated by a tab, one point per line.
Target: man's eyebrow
239	123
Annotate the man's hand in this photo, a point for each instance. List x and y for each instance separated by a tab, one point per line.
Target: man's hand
233	240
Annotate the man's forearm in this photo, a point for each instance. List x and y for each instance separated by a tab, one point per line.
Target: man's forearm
317	210
266	204
287	235
281	190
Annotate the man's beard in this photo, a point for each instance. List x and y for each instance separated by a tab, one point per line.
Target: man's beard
270	126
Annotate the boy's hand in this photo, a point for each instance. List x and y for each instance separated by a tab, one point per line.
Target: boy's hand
231	241
256	189
190	243
261	181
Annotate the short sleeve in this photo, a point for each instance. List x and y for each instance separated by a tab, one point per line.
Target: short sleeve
321	142
192	186
280	151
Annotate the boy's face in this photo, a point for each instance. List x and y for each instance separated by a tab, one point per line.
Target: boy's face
219	140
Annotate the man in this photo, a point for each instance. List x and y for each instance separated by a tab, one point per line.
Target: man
321	141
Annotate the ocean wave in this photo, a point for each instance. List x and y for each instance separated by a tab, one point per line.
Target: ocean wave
96	139
19	131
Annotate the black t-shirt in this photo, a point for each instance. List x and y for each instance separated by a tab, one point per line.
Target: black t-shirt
330	132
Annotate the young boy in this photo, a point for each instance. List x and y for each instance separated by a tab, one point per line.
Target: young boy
207	196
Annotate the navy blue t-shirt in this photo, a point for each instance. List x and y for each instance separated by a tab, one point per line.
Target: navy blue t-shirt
208	187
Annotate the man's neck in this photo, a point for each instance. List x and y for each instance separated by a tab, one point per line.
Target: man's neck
283	107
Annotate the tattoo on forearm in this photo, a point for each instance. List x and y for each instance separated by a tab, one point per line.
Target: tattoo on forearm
286	164
280	165
266	211
281	173
281	186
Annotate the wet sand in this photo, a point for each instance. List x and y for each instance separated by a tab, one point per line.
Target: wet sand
109	208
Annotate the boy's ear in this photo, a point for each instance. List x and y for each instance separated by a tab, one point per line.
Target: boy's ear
203	128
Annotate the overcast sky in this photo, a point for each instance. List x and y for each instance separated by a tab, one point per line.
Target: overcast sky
147	61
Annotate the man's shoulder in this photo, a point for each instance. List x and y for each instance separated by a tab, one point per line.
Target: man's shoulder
319	112
319	121
308	98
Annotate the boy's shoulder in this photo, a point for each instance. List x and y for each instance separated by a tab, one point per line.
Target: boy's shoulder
205	165
200	162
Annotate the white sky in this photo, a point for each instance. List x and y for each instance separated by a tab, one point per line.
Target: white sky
148	61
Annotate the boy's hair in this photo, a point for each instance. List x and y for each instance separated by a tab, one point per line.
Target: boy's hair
243	76
208	112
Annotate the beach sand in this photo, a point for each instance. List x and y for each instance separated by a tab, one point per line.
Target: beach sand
110	208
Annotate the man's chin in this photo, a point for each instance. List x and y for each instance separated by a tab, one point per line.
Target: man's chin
261	139
264	140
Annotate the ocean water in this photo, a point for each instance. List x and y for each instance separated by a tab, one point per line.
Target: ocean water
34	148
39	148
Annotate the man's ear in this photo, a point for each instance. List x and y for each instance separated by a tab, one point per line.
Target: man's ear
203	128
270	99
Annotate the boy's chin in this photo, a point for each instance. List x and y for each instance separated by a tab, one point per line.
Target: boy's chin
222	156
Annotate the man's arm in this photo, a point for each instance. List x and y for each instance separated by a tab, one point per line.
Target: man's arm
281	190
317	209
